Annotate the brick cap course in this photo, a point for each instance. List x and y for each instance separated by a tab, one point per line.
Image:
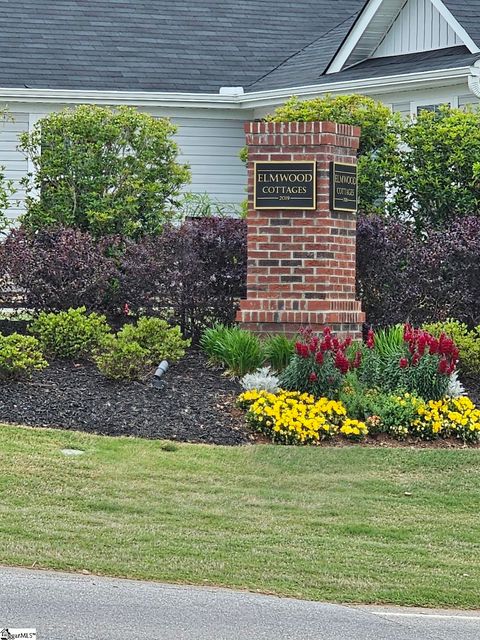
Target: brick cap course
301	128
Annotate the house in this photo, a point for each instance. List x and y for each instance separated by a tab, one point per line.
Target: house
212	64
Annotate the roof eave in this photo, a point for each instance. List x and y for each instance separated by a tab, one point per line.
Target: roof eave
270	97
365	86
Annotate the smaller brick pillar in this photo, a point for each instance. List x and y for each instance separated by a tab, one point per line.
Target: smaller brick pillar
301	264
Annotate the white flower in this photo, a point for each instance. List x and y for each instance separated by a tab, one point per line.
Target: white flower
263	380
455	387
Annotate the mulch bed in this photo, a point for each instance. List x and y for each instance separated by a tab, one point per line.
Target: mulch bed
195	405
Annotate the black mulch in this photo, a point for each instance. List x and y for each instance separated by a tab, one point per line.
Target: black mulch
196	404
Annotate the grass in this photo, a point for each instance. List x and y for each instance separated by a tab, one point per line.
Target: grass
340	524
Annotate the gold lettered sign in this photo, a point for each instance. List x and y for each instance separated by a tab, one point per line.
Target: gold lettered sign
343	187
285	185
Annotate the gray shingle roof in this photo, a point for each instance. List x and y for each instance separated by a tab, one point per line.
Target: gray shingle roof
193	45
450	58
158	45
308	65
467	12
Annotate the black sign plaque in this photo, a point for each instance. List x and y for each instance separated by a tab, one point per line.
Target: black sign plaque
285	185
343	187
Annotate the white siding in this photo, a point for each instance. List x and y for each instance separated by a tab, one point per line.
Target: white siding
14	162
418	27
468	100
402	107
211	147
209	141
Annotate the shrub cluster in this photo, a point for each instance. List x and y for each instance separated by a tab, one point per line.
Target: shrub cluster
134	351
196	272
70	334
58	269
20	356
420	278
102	170
130	354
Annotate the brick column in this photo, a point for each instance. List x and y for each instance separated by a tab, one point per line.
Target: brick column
301	264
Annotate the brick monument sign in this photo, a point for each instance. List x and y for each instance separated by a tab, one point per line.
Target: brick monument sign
302	200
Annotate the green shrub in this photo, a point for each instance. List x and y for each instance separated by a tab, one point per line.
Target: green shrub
279	351
240	351
359	401
435	174
161	340
123	360
70	334
102	170
20	356
137	348
468	343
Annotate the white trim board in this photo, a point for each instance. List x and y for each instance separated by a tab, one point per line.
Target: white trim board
373	25
210	102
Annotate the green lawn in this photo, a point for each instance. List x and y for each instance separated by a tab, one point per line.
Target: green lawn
320	523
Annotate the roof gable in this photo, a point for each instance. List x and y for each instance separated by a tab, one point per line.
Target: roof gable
418	27
396	27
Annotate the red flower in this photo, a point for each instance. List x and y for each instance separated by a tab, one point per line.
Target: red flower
403	363
433	346
302	350
357	360
415	359
313	377
445	345
341	362
327	331
443	367
422	343
347	342
319	357
370	339
407	332
126	309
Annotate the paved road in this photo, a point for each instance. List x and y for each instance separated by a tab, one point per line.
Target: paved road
76	607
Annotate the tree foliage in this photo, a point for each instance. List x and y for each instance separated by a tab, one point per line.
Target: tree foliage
435	173
102	170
